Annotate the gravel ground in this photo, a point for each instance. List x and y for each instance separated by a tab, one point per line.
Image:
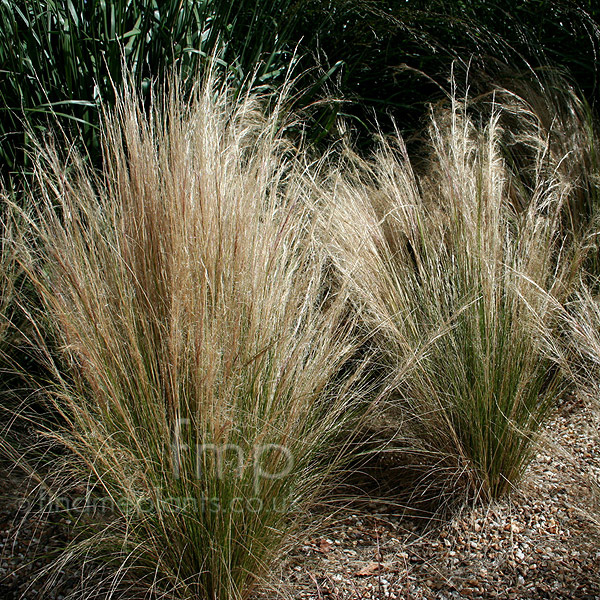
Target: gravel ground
543	542
30	543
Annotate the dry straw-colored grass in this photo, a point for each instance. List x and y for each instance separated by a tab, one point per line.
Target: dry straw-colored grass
199	344
460	271
211	289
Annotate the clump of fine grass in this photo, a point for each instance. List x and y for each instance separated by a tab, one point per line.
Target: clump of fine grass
199	344
462	288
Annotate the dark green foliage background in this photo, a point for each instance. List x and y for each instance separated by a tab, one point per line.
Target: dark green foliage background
397	53
64	58
377	58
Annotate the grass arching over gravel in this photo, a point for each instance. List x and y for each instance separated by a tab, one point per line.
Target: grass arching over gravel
199	342
191	290
463	289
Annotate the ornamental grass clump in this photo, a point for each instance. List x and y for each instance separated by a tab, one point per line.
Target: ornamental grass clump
199	345
460	278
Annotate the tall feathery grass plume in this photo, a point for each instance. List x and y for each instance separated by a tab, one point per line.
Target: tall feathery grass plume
200	346
462	287
546	105
549	129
